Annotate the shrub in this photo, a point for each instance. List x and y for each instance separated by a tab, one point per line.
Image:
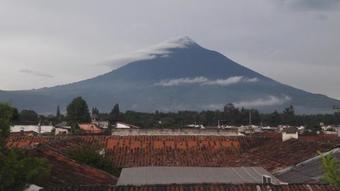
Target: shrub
94	156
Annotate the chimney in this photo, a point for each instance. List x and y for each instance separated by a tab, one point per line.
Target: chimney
266	179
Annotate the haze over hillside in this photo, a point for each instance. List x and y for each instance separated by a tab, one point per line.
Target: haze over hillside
175	75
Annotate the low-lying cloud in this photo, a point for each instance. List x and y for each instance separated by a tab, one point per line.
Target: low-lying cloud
160	50
230	81
35	73
182	81
205	81
262	102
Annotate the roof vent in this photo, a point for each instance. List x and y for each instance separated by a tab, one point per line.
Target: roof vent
266	179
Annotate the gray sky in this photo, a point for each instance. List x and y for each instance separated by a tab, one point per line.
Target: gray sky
45	43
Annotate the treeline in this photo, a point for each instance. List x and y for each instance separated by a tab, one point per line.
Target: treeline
77	111
229	116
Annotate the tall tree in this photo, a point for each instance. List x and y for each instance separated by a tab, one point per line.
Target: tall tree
58	115
78	111
274	119
5	117
288	116
114	114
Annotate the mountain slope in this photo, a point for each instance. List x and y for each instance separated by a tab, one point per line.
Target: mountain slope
176	75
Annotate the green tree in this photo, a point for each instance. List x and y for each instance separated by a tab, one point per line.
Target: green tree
94	156
331	171
28	116
16	169
15	115
114	114
288	116
313	128
5	117
58	114
274	119
78	111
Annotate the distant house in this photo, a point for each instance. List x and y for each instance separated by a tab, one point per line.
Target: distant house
36	128
200	126
62	128
120	125
101	124
90	128
290	133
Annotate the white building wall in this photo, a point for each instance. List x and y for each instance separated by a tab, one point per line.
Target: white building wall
287	136
122	126
35	128
61	131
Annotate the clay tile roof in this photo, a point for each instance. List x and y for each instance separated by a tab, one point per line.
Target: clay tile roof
205	187
90	127
202	151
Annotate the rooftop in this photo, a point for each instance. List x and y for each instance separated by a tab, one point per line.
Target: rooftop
267	151
205	187
309	171
193	175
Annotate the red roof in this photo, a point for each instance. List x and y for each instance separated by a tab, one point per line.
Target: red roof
90	128
66	171
207	187
214	151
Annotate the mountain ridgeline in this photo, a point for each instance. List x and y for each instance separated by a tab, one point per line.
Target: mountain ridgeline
176	75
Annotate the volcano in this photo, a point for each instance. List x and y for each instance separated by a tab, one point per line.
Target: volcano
175	75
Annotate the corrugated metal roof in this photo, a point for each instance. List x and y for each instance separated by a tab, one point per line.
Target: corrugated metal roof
309	171
193	175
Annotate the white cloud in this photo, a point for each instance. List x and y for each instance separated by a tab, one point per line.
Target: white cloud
269	101
163	49
205	81
182	81
231	80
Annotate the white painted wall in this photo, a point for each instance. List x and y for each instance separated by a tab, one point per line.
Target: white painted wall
61	131
122	126
35	128
287	136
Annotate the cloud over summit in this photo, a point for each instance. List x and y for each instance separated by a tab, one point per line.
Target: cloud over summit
205	81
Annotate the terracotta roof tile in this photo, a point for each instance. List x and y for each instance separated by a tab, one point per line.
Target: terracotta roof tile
214	151
203	187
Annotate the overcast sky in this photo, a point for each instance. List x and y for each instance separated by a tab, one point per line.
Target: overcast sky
45	43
